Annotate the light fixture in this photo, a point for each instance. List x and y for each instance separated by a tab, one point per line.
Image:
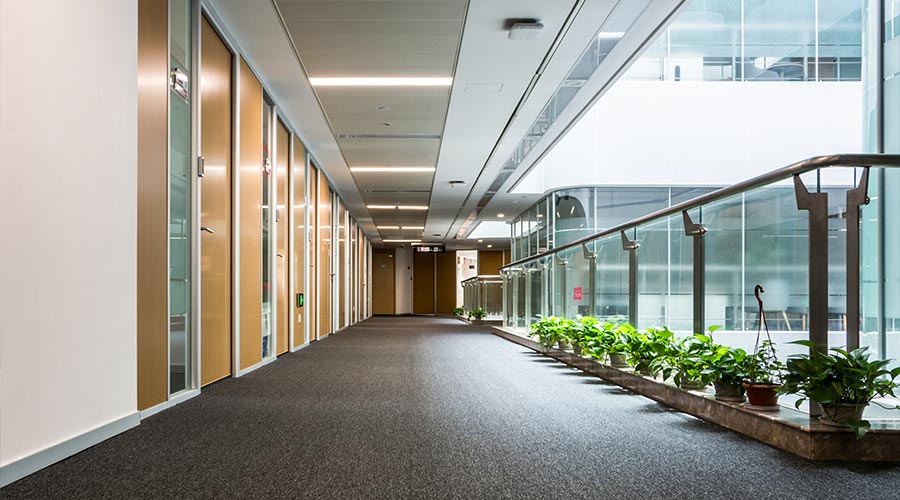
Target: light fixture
397	207
490	246
480	241
526	30
610	35
500	216
382	82
387	227
411	228
402	241
392	169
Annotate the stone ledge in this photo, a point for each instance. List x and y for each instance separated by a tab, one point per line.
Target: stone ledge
786	429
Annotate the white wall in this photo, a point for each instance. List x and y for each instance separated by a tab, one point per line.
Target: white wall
701	133
68	195
403	274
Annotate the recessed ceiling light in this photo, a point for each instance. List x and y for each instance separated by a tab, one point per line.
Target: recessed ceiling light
500	216
382	82
480	241
490	246
388	227
610	35
398	207
392	169
402	241
412	228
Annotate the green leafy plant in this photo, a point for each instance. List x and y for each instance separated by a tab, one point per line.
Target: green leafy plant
459	311
581	331
723	364
763	367
840	377
477	314
606	338
687	362
549	330
648	351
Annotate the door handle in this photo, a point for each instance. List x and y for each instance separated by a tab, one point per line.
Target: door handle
279	255
207	229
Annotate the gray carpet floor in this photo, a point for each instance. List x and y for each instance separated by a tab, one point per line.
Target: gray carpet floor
420	408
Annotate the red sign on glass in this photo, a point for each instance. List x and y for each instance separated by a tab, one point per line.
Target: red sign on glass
577	294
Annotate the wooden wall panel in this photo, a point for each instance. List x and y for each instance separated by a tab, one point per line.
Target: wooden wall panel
325	260
507	257
445	282
312	295
490	262
215	210
153	204
282	223
423	283
250	178
298	167
383	294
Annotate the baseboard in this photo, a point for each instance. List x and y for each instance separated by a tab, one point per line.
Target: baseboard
49	456
178	398
257	366
301	346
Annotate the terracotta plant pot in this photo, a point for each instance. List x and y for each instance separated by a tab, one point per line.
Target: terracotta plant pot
732	393
762	396
617	360
838	414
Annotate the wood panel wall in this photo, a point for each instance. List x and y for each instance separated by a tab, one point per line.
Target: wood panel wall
250	179
153	204
312	295
323	207
423	283
298	167
490	262
282	223
215	212
445	282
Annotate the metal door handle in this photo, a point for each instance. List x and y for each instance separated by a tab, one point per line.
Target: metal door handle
208	230
279	255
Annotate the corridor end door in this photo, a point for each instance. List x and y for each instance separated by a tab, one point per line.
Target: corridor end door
383	282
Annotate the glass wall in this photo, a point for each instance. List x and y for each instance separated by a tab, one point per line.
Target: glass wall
758	40
267	185
756	237
180	202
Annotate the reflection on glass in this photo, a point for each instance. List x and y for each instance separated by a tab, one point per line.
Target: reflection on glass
267	317
180	197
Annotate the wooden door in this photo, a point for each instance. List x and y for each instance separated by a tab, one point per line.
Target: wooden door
215	208
282	223
423	283
312	295
445	282
298	219
383	282
326	269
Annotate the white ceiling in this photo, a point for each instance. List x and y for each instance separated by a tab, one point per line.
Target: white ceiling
466	131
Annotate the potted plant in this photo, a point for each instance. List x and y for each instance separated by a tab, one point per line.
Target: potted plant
583	331
687	364
547	330
617	337
764	373
565	328
763	368
605	341
459	311
643	349
477	316
725	366
843	382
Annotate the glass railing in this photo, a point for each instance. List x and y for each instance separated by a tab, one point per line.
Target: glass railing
796	231
486	293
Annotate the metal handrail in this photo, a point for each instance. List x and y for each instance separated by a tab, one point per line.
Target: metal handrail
483	277
784	173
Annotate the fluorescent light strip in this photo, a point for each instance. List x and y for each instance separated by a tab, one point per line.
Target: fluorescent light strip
401	228
392	169
388	227
397	207
402	241
382	82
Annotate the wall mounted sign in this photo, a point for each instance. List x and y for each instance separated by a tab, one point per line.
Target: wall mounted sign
577	293
430	248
